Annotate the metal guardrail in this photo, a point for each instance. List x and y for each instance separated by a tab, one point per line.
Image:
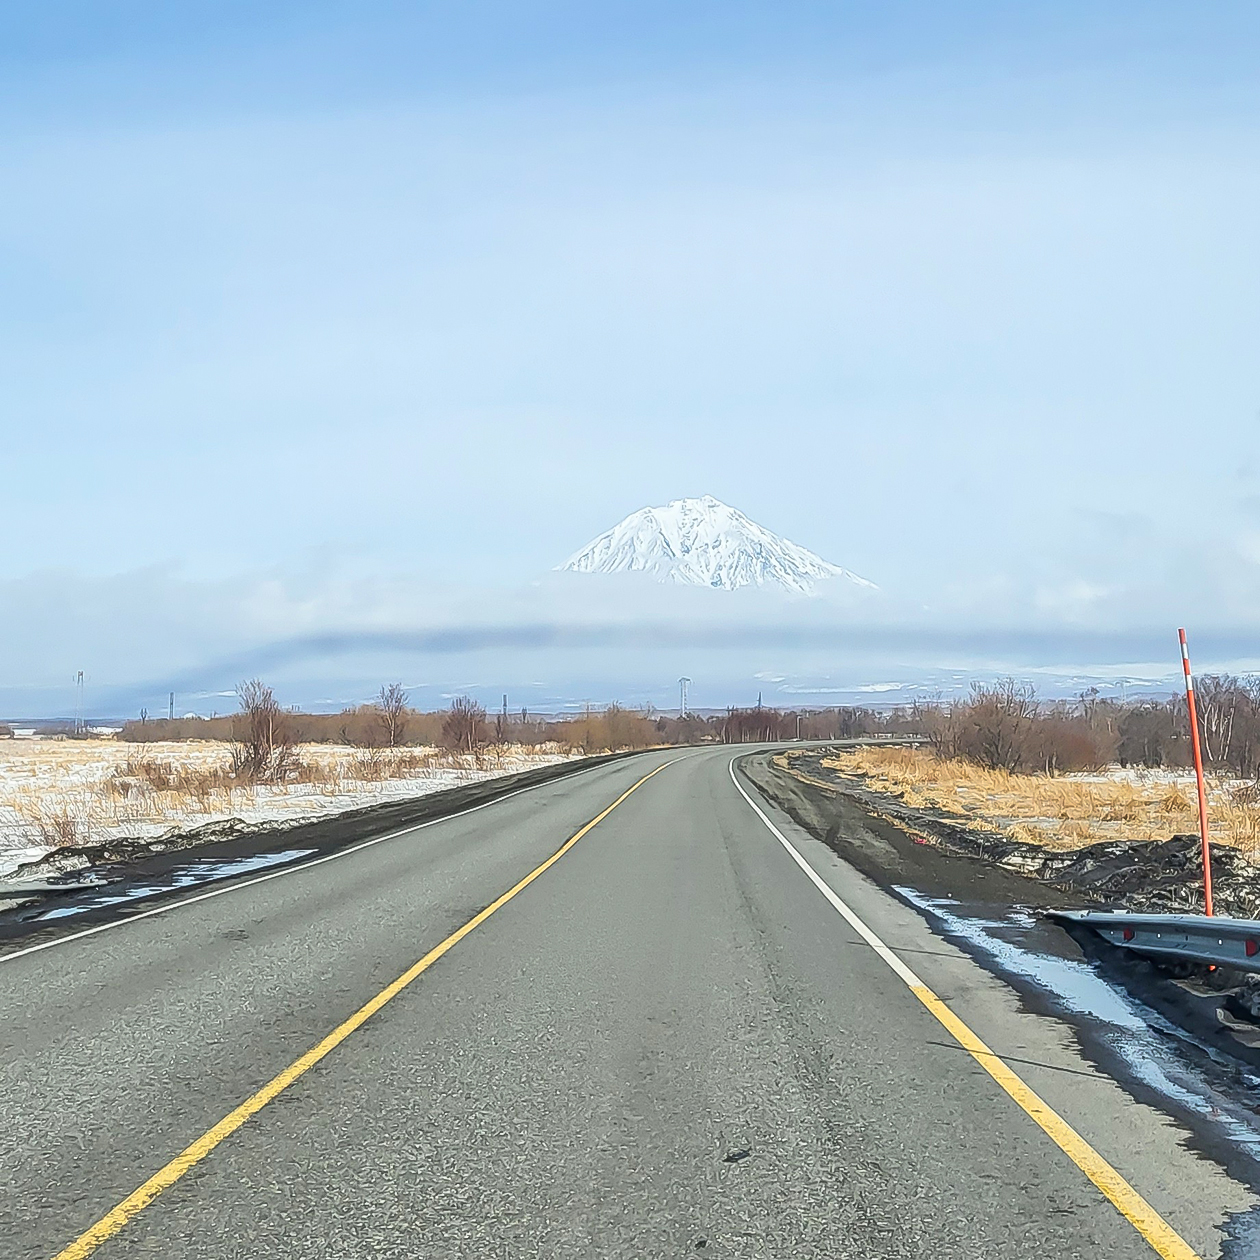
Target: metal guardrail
1183	937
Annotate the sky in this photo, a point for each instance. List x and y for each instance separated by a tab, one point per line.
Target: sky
328	328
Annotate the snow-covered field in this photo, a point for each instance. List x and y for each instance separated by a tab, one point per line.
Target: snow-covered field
76	792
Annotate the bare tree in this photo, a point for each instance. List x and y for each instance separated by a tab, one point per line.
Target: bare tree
1148	735
262	747
1229	723
464	727
741	726
1220	698
942	723
391	707
999	721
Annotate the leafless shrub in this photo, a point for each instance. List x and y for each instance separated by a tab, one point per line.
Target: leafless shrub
1061	741
1003	727
1147	736
59	826
996	724
391	705
464	729
262	749
370	765
607	730
943	725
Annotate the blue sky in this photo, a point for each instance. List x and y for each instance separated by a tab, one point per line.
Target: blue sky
356	318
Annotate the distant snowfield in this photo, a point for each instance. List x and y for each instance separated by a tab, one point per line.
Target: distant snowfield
93	791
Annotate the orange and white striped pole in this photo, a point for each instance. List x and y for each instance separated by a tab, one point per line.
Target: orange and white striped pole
1198	774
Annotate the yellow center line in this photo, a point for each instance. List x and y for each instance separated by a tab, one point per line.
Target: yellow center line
1164	1240
140	1198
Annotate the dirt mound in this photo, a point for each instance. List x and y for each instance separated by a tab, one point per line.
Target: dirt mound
1157	875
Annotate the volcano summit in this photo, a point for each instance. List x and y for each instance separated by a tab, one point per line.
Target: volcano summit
703	542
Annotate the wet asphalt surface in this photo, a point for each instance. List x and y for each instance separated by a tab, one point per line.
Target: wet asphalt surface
668	1045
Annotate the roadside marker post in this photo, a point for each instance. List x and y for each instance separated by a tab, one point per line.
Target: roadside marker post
1198	774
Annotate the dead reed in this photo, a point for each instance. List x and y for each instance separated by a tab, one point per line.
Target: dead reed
1061	811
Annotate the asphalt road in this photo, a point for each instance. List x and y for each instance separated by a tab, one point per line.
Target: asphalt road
670	1043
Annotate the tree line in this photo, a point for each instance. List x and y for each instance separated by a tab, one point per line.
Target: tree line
1001	726
264	732
1004	726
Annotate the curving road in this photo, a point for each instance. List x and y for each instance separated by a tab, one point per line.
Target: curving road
675	1041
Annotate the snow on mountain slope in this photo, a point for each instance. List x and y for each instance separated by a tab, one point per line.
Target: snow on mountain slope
703	542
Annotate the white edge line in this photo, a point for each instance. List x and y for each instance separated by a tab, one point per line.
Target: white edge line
850	917
286	870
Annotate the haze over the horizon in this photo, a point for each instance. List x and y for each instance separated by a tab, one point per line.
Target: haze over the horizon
328	329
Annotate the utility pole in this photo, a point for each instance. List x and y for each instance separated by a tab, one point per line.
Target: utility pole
78	704
170	709
682	697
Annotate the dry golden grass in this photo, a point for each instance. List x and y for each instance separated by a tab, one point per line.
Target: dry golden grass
1067	811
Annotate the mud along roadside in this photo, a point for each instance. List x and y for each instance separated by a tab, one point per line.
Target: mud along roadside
136	875
1171	1041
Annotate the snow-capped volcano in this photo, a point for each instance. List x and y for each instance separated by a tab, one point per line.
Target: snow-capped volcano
703	542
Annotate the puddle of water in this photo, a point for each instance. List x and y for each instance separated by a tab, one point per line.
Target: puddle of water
198	872
1142	1038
